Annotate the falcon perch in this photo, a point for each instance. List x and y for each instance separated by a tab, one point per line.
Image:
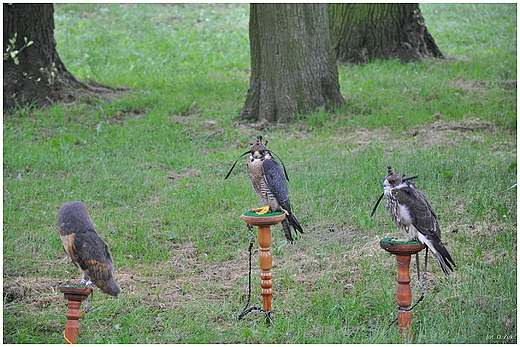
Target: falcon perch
413	214
86	249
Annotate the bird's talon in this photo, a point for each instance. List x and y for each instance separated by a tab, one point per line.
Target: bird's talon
86	283
261	210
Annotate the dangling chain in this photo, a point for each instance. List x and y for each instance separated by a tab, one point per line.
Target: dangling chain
86	305
248	309
421	286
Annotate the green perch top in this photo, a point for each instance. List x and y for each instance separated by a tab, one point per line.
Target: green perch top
390	242
269	214
71	286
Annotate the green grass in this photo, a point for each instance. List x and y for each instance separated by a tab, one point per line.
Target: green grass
150	166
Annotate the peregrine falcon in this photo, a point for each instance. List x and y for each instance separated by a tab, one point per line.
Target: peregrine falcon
413	214
268	180
86	249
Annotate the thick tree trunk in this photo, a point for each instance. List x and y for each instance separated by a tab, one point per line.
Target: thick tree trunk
293	69
366	32
40	77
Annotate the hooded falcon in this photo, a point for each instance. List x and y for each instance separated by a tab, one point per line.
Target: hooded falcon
268	181
413	214
86	249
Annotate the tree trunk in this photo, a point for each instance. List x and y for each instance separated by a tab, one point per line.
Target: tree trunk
293	69
36	75
365	32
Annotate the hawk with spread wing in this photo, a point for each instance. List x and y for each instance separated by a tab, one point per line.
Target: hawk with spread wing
413	214
86	249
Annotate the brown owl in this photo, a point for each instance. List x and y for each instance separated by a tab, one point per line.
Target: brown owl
86	249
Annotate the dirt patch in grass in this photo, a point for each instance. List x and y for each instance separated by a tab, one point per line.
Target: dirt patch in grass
450	132
441	126
185	276
427	135
40	292
483	87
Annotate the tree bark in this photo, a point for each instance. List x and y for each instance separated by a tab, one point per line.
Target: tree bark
293	69
365	32
40	77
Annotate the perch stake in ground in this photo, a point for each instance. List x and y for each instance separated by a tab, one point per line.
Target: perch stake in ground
75	296
264	222
403	252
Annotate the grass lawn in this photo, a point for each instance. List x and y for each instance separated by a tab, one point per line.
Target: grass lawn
149	162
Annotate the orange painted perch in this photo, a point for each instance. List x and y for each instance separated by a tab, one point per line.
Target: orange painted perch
264	222
75	296
403	252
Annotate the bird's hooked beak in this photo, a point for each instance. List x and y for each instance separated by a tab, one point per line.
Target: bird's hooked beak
257	155
386	183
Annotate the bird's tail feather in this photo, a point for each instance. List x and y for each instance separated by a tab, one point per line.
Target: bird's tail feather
287	230
444	258
288	222
439	251
109	286
294	222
